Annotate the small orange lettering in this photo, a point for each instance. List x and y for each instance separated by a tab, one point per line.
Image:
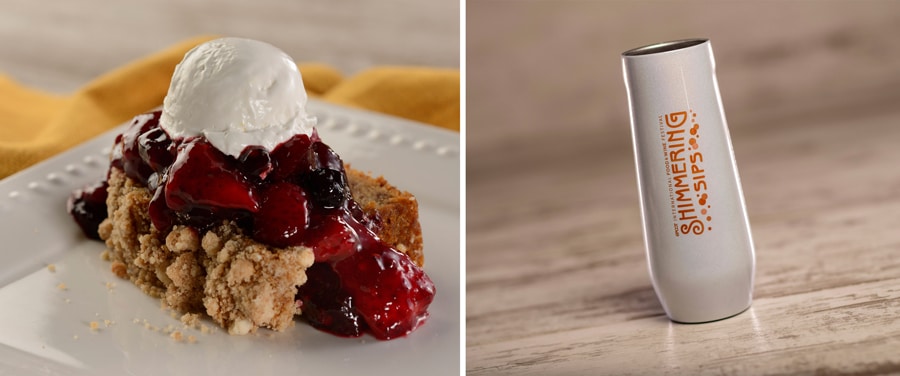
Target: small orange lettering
676	119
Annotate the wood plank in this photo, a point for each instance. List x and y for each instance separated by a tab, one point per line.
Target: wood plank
851	329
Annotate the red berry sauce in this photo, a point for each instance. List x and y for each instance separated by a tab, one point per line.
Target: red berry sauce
297	194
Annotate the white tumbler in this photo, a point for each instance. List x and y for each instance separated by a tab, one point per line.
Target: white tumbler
696	231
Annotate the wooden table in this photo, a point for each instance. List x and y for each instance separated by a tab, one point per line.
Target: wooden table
557	280
61	45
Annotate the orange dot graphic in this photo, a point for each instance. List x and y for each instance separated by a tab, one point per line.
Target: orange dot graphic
708	218
703	212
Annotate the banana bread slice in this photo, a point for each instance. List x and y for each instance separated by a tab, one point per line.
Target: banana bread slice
240	283
396	210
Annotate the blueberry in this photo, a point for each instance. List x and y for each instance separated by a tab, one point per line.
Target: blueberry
322	156
326	187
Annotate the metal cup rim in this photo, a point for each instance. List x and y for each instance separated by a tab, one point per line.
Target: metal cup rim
658	48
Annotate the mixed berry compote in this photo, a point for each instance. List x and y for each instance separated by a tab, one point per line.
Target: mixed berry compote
295	195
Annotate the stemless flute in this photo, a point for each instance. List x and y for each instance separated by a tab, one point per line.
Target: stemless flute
696	231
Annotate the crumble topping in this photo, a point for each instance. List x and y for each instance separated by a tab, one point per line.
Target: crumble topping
239	283
191	320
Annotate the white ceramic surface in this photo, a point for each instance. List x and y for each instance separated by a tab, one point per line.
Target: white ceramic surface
696	230
46	330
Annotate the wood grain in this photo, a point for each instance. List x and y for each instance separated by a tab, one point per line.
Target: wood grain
557	280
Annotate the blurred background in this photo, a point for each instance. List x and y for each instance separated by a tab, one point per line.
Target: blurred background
552	67
811	92
60	45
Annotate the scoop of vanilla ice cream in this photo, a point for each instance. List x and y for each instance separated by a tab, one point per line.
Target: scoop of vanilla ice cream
236	92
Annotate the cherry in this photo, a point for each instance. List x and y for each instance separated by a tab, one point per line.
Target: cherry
283	215
290	159
88	207
160	214
332	239
131	161
116	159
391	293
255	162
326	306
202	177
387	290
156	149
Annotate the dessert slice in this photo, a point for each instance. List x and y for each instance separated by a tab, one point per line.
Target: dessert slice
228	203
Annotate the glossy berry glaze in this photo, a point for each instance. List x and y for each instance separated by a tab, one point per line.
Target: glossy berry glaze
88	207
295	195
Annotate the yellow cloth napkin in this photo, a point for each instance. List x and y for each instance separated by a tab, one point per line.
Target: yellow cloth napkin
35	125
